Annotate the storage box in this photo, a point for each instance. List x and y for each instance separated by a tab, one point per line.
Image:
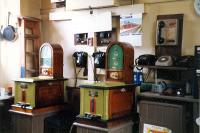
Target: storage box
106	100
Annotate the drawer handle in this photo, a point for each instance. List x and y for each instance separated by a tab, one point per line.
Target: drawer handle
50	83
23	86
123	90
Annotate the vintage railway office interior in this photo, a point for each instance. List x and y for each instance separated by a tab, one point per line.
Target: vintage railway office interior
90	66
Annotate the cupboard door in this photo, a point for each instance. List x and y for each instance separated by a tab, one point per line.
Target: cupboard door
49	93
31	46
171	116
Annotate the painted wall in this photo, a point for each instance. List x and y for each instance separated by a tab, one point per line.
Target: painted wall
10	51
30	8
62	31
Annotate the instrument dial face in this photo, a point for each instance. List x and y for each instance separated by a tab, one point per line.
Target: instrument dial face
197	6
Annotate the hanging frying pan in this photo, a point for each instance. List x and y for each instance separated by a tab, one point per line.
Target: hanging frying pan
9	33
1	35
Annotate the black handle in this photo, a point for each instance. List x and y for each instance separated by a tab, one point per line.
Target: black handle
161	25
9	13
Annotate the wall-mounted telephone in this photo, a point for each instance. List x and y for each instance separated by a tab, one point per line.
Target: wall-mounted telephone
167	31
99	59
80	59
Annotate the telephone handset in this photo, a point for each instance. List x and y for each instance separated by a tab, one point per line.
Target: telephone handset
80	59
99	59
160	39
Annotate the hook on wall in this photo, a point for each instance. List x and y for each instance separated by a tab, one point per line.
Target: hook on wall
91	10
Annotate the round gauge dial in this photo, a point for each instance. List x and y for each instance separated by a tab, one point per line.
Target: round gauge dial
197	6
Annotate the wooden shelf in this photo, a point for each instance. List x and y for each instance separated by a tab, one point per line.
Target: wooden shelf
29	36
164	97
167	67
32	44
32	70
31	53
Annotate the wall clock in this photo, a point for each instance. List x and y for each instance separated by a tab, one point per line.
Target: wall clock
197	6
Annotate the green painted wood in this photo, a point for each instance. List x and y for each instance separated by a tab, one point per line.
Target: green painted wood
107	85
30	92
115	57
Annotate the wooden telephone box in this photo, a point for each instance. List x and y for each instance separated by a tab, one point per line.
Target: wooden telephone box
119	62
51	60
48	88
110	100
106	100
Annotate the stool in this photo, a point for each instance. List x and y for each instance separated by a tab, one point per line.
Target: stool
59	123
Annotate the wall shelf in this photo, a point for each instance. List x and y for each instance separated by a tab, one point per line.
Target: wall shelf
166	67
164	97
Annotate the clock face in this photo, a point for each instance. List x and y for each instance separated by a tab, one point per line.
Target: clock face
197	6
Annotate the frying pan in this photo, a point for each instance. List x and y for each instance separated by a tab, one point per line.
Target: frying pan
9	33
1	35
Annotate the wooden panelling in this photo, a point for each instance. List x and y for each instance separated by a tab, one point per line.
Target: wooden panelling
166	115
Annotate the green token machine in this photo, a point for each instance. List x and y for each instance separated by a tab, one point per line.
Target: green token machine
113	98
119	62
48	88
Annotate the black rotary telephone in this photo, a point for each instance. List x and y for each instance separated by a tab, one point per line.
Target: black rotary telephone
99	59
80	59
146	59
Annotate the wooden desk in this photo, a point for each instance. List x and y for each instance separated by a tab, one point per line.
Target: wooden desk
24	122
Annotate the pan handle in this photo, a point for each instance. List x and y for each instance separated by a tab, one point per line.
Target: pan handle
9	13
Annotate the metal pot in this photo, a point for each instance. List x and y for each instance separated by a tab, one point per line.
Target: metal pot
9	32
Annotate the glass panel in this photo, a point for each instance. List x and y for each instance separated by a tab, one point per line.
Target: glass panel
28	31
46	60
29	45
29	62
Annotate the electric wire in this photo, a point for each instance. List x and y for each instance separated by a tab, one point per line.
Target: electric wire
71	128
93	68
76	73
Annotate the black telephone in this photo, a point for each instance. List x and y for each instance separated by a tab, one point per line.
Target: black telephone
160	39
80	59
99	59
146	59
186	61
